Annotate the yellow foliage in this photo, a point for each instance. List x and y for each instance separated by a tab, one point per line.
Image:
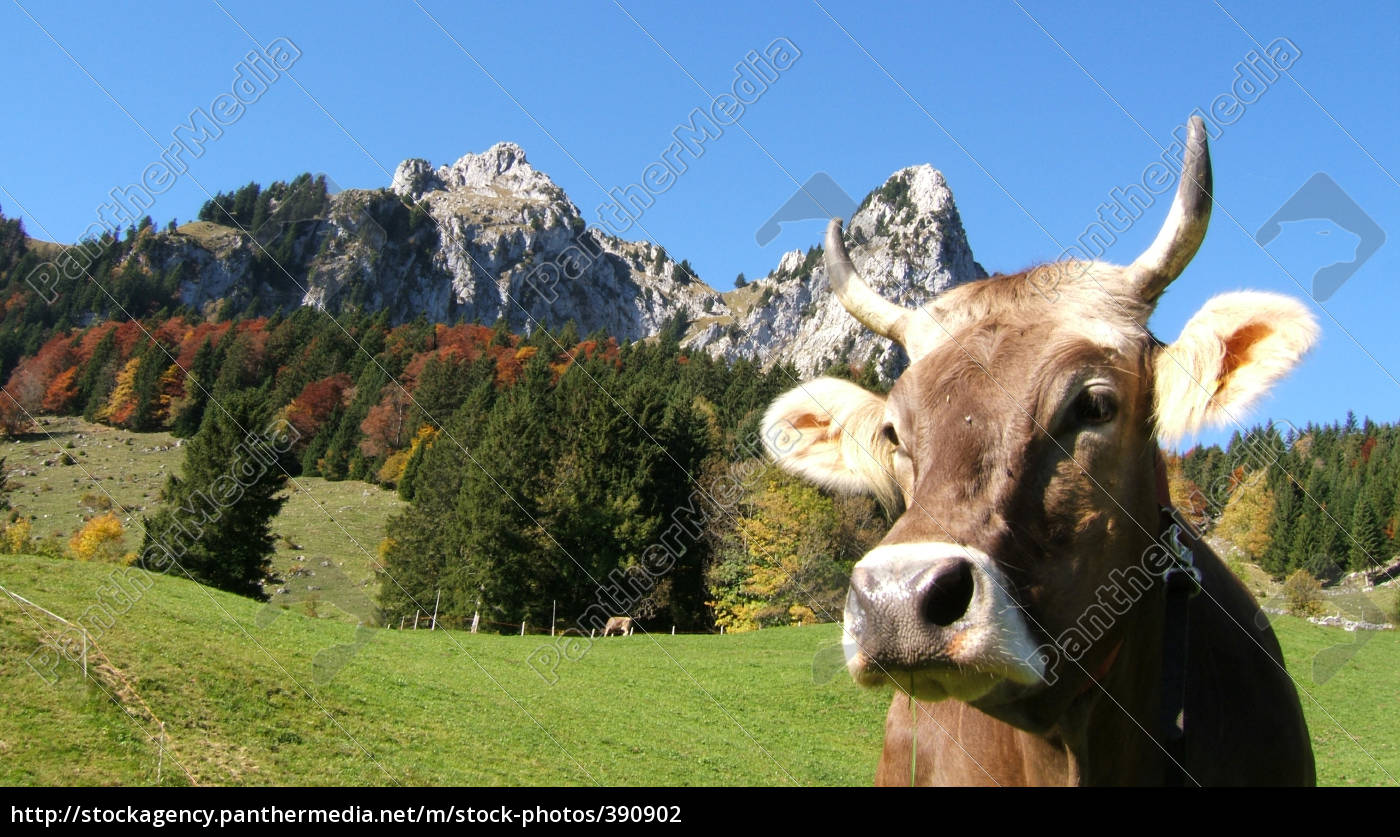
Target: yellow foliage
17	536
392	470
1245	521
123	397
1303	594
100	539
426	433
386	546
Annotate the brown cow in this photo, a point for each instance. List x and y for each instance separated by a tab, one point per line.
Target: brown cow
1026	574
621	625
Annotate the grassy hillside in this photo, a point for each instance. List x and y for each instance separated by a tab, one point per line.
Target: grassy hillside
329	530
251	693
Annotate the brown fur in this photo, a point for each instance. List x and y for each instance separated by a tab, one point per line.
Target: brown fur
993	458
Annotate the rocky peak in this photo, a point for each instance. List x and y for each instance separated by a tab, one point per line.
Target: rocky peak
906	239
500	171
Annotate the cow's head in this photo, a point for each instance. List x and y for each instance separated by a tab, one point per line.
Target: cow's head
1021	446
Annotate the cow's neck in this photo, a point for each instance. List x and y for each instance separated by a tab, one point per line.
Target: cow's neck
1108	731
1100	730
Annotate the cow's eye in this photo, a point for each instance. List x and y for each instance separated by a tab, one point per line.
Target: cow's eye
889	434
1095	405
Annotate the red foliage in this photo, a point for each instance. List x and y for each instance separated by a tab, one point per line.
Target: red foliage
131	336
26	386
195	337
464	341
31	379
386	425
87	343
309	411
171	332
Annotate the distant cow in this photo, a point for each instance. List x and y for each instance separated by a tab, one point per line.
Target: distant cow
1030	604
620	625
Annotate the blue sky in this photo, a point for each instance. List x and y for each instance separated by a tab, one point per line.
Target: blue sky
1034	113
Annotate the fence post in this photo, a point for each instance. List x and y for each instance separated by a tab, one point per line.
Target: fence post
160	751
435	607
522	629
673	630
415	620
553	609
84	653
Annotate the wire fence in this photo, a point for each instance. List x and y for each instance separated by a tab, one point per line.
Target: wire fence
104	674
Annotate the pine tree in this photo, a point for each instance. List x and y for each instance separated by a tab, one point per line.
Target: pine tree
197	384
214	524
1367	539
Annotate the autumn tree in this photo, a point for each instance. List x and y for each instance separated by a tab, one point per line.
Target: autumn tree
784	553
1245	521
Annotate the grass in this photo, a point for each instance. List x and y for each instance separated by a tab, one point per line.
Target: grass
266	694
253	695
335	526
1349	684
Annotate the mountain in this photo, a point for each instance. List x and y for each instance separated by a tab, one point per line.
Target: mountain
490	236
906	239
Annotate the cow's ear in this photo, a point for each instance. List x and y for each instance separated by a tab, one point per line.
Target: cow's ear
828	431
1228	355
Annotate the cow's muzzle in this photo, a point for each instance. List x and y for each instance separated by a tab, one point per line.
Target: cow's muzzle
938	620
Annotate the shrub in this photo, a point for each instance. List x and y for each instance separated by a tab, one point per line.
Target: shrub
17	538
99	540
1303	594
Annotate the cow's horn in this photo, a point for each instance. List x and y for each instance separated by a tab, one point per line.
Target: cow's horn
874	311
1185	226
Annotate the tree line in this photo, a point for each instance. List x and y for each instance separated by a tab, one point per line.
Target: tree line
554	470
1323	497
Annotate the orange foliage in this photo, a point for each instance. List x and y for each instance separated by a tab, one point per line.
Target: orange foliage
309	411
62	391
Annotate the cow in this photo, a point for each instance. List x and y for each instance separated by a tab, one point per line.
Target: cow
621	625
1044	617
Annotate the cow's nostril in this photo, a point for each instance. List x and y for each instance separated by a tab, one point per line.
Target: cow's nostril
948	593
